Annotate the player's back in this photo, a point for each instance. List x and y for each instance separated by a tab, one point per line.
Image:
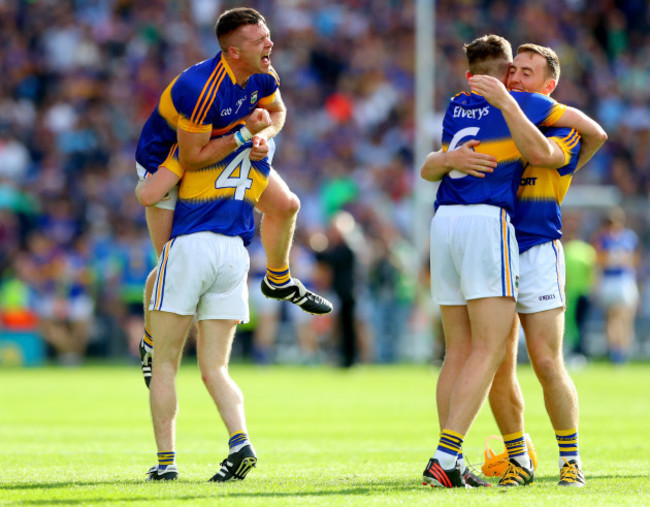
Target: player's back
470	116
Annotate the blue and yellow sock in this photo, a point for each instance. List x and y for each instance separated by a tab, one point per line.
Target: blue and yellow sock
165	459
449	447
280	277
237	440
517	450
147	339
567	441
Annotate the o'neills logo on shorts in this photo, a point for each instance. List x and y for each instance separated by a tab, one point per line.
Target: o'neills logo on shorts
547	297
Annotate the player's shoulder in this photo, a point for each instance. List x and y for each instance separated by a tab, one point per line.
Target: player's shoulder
532	99
198	74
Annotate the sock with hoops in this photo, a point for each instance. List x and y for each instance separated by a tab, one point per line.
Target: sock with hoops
449	447
517	450
567	441
165	459
279	277
238	440
147	338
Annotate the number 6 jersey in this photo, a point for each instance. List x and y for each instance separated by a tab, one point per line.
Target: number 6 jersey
469	116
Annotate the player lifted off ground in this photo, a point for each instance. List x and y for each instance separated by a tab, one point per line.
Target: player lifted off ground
474	256
541	301
206	113
202	271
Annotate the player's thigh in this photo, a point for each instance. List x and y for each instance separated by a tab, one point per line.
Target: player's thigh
542	278
214	343
491	321
544	333
457	330
277	197
170	330
159	223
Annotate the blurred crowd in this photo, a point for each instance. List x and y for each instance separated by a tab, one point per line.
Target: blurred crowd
80	77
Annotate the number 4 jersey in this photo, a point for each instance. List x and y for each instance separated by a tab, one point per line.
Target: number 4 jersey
470	116
221	198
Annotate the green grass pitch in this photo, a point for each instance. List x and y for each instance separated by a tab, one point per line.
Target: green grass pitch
324	437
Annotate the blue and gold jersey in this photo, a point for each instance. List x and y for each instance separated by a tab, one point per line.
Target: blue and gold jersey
221	198
203	98
470	116
541	191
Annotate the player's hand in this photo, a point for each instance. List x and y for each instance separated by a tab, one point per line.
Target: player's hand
258	120
260	148
492	89
467	161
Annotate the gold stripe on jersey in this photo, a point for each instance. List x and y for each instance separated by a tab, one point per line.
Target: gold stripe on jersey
206	87
166	107
170	156
549	185
174	165
505	150
556	113
265	101
188	126
199	186
275	75
567	144
211	95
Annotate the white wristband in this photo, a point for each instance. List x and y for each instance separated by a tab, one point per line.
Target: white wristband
242	136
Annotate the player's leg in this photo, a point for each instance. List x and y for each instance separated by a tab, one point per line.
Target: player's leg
213	349
159	223
458	338
544	332
280	208
506	398
170	330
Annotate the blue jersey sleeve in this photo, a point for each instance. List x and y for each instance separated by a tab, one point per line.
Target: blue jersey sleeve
569	141
540	109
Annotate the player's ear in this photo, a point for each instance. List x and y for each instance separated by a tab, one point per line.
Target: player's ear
468	74
550	86
233	52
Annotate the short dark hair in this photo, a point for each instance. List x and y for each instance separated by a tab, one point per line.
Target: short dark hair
231	20
552	61
489	54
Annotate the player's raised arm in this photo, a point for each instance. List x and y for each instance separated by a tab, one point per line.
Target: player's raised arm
591	133
530	142
464	159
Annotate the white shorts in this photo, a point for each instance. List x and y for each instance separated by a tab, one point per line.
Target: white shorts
170	199
618	290
204	274
474	254
542	278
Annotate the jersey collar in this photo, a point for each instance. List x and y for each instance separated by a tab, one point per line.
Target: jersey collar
231	74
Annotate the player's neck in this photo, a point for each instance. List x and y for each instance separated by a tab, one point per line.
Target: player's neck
241	75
